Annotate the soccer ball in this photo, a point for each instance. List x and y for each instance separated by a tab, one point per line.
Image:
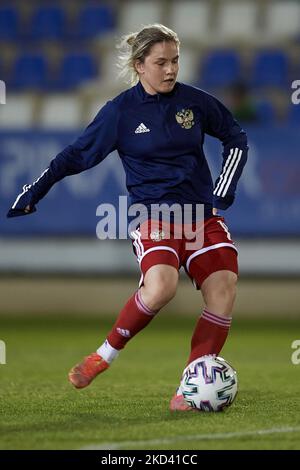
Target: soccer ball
209	383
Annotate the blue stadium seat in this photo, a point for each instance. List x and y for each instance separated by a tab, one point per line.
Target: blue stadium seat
220	68
270	69
9	23
75	69
30	71
95	20
48	22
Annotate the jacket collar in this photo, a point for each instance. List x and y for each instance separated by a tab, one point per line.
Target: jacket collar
146	97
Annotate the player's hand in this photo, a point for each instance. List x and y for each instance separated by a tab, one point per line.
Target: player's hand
23	205
215	211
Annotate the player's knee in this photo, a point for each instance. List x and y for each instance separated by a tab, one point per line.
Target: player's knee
163	293
160	287
227	285
220	290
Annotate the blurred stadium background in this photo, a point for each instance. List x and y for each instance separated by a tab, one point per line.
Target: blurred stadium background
58	63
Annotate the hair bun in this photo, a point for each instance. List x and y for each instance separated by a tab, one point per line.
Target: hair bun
131	39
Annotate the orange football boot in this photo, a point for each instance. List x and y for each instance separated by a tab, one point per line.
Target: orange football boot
178	404
82	374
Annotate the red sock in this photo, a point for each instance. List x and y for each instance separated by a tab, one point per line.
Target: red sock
209	335
132	319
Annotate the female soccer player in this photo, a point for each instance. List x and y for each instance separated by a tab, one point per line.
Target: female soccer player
158	127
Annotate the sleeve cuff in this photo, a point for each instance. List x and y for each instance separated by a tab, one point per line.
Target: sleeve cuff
223	203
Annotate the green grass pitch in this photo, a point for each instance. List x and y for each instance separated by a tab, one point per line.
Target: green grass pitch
127	406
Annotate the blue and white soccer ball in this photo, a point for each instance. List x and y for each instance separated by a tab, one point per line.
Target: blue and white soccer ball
209	383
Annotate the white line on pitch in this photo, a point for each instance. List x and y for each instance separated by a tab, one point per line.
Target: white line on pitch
193	437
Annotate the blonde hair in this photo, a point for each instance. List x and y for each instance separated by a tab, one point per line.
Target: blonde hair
136	46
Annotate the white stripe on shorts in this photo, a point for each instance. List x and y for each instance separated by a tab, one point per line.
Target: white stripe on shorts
163	248
139	248
204	250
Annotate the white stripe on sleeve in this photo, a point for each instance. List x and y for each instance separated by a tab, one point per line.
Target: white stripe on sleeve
228	172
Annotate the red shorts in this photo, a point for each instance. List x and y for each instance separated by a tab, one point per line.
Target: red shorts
216	252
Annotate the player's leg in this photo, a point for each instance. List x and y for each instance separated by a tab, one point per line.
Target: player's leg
214	269
159	263
218	290
212	328
159	286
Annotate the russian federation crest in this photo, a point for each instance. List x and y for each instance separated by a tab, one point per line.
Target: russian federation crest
157	235
185	118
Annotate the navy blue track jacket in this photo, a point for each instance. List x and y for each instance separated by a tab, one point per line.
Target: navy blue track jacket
159	139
